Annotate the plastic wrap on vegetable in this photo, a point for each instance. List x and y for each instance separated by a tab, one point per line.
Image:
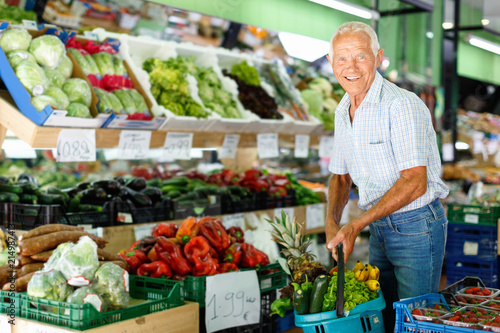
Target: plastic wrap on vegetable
139	101
48	50
32	77
81	61
94	69
56	79
15	39
78	110
78	91
41	101
119	66
104	105
17	56
111	282
116	105
49	285
85	295
104	62
126	100
65	67
60	97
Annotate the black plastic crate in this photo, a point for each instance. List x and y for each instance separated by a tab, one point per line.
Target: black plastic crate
452	289
5	213
27	217
104	218
196	208
160	212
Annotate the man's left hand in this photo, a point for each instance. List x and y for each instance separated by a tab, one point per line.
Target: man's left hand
347	236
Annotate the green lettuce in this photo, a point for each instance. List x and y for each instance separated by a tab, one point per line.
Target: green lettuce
48	50
32	77
56	79
78	110
60	97
78	91
15	39
18	56
65	67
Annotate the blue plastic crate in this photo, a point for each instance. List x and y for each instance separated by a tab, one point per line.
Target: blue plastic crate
472	240
286	323
366	317
457	267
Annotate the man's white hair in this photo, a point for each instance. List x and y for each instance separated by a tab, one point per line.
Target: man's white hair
355	27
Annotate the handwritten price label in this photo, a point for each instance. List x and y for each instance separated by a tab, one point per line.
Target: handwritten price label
234	220
142	231
75	145
232	299
326	146
267	145
230	146
134	145
178	146
315	216
301	146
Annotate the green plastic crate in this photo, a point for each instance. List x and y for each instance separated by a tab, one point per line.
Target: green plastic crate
469	214
161	295
10	303
270	277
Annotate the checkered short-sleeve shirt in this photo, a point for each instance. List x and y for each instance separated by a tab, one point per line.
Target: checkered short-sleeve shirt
391	131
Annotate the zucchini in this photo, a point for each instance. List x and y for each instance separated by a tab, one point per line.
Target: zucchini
207	190
154	182
51	199
171	195
29	187
176	181
58	191
4	197
90	208
188	197
300	301
12	197
11	188
74	204
28	199
318	292
171	188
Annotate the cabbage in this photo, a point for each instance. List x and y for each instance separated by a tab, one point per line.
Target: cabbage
65	67
78	110
104	61
92	65
116	105
32	77
41	101
80	60
60	97
17	56
126	100
313	100
104	105
111	283
48	50
78	91
15	39
56	79
139	101
49	285
321	86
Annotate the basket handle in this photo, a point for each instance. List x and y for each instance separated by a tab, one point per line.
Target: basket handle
340	281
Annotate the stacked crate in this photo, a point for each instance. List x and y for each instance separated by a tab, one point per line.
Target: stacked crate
471	248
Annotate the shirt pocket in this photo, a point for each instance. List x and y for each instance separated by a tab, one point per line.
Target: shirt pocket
379	161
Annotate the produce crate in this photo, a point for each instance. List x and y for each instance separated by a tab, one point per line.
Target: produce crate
27	217
270	277
468	214
5	213
180	211
146	214
105	218
457	267
472	240
468	281
286	323
160	295
11	303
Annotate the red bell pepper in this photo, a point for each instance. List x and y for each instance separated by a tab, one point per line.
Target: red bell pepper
156	269
233	254
152	256
227	267
197	246
205	265
252	257
252	174
146	244
237	233
214	232
165	229
188	229
134	259
134	245
277	191
168	252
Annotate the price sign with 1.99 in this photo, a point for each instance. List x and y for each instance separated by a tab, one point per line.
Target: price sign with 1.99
178	146
76	145
232	299
134	145
267	145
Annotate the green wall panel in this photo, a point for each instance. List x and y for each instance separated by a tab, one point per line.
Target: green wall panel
478	64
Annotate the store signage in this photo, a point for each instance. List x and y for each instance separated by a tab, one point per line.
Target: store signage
315	216
133	145
143	231
301	146
234	220
229	146
232	299
76	145
325	146
288	211
267	145
178	146
31	25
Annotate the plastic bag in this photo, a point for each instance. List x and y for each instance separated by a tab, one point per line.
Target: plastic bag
104	62
85	295
111	282
104	105
56	79
65	67
126	100
116	105
78	91
15	39
78	110
139	101
60	97
32	77
18	56
48	50
41	101
50	285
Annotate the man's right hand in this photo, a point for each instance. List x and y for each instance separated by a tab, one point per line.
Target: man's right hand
331	230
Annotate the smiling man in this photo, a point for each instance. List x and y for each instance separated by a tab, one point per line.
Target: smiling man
386	145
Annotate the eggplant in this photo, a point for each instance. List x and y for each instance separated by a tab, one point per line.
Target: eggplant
139	199
154	193
137	184
111	186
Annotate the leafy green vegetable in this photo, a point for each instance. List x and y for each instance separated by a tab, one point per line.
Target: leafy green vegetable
56	79
322	86
32	77
60	97
246	73
41	101
94	69
314	101
104	104
126	100
14	14
65	67
104	61
115	103
17	56
78	91
81	61
48	50
4	256
87	295
119	66
139	101
49	285
111	281
15	39
78	110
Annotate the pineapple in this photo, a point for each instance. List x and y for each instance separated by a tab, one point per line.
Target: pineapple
299	260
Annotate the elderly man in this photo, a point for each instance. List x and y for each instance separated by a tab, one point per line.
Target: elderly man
386	145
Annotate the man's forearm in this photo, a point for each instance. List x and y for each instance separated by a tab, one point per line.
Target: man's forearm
339	188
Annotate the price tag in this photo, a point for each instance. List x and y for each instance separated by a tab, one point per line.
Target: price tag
91	35
267	145
178	146
232	299
229	146
326	146
471	248
301	146
142	231
471	218
134	145
448	152
315	216
4	323
288	211
95	231
124	217
76	145
234	220
32	25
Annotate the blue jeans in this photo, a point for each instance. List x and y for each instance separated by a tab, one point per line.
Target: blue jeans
408	248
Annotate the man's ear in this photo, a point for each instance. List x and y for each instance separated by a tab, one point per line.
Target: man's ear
380	54
328	57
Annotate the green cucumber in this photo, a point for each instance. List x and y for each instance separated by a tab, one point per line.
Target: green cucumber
301	301
176	181
11	188
318	292
11	197
28	187
28	199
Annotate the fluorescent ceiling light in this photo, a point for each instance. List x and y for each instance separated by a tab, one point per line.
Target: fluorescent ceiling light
484	44
349	8
485	21
448	25
459	145
302	47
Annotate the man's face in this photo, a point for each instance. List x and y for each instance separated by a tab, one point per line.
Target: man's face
354	64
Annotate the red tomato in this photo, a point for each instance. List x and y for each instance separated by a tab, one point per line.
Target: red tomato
486	292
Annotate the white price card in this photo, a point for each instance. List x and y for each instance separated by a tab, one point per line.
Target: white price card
326	146
178	146
234	220
4	323
76	145
91	35
229	146
95	231
232	299
142	231
267	145
288	211
315	216
134	145
31	25
448	152
471	248
301	146
471	218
